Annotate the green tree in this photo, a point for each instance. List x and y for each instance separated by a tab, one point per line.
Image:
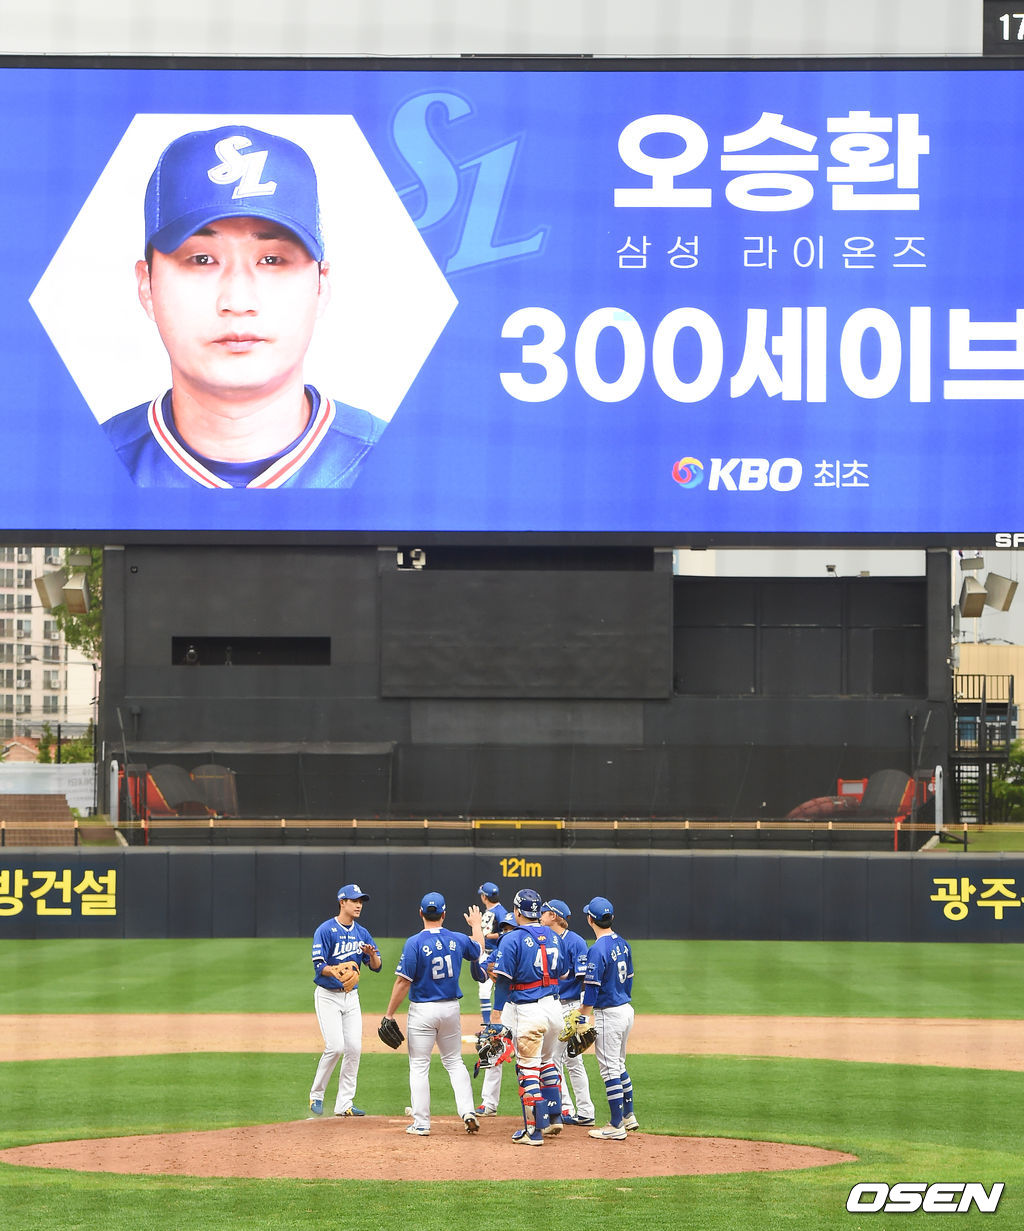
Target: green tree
1008	787
79	750
84	632
46	743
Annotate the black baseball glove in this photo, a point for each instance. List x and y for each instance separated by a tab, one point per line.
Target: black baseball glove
390	1032
579	1043
491	1043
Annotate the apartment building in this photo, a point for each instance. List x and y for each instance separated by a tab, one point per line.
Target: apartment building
42	679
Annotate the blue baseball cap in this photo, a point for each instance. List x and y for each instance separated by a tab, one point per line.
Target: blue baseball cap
490	888
527	902
353	893
599	909
558	906
232	172
432	904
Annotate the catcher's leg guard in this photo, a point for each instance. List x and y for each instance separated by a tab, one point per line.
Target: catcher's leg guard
530	1093
551	1090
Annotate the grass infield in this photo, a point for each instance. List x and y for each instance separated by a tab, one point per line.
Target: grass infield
903	1122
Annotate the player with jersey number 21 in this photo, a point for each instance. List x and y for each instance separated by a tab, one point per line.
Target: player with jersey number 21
428	972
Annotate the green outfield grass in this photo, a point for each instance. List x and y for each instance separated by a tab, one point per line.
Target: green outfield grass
903	1122
808	978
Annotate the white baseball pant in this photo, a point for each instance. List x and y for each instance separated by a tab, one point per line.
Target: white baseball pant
577	1074
613	1026
430	1022
341	1023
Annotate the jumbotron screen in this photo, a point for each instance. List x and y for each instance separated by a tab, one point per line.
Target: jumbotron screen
698	302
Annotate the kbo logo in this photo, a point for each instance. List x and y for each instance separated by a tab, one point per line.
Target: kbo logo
908	1198
740	474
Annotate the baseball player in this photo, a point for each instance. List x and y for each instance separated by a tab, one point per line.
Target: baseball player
490	1087
428	972
493	914
607	990
555	914
338	945
235	280
526	972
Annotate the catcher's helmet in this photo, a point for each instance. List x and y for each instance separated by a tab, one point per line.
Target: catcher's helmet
528	902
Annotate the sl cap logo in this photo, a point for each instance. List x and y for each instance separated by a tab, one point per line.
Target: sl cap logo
243	170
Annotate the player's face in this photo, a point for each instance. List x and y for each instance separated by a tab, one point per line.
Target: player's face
235	305
349	909
548	918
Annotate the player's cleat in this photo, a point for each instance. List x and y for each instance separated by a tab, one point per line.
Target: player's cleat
415	1131
522	1138
610	1132
552	1129
352	1111
630	1124
472	1124
582	1121
316	1106
486	1111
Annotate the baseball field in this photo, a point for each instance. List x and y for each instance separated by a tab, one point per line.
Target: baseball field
770	1078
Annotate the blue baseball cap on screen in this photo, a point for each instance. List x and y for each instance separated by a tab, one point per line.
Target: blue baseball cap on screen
232	172
432	904
353	893
599	909
490	888
558	906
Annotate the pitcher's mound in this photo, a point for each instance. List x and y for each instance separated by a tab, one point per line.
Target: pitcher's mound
379	1148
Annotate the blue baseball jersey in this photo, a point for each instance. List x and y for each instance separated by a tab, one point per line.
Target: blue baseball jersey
529	961
574	965
609	977
329	453
334	943
431	961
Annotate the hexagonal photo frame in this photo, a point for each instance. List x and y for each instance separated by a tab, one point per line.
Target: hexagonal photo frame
390	301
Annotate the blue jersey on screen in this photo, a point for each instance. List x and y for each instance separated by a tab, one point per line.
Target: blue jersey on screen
430	961
610	971
334	943
329	453
529	957
574	965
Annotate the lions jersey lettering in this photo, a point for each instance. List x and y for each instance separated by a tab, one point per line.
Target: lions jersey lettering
431	961
334	943
246	169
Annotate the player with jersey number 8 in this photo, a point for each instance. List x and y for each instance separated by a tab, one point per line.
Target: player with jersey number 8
607	993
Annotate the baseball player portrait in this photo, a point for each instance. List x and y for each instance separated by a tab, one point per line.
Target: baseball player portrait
607	992
555	914
428	973
341	947
493	914
526	971
235	279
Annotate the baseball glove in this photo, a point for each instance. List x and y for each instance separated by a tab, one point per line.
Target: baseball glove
491	1043
579	1043
571	1025
390	1032
347	974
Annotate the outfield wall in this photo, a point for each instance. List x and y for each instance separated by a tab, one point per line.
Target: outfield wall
734	895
